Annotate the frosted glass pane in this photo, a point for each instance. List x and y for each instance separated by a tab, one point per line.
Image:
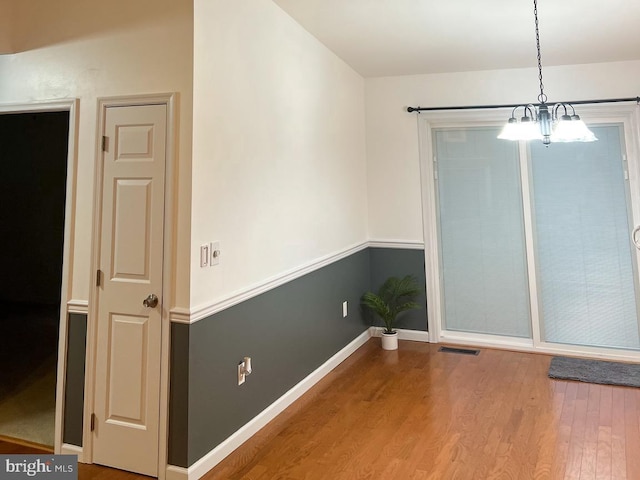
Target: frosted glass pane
584	254
481	233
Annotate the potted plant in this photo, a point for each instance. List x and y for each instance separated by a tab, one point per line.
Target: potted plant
396	295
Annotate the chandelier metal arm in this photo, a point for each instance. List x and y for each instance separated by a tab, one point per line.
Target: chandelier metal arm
531	110
562	105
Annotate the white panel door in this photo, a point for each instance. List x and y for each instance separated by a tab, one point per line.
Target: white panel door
127	401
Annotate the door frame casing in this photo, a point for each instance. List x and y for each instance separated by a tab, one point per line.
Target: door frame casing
170	101
71	106
626	114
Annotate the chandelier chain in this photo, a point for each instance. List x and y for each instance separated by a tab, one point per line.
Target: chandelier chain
542	98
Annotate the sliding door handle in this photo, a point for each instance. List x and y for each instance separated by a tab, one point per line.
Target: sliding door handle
634	237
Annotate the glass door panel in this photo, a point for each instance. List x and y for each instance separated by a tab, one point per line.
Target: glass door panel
482	246
584	258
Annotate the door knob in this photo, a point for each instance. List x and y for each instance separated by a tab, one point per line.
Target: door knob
634	236
151	301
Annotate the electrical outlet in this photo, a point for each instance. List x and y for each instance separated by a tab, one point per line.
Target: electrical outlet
344	309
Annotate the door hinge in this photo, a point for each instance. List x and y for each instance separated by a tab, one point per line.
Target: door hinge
98	278
93	422
105	141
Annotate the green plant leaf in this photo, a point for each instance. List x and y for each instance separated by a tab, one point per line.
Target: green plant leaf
395	296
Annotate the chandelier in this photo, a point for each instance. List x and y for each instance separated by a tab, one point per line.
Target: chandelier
549	123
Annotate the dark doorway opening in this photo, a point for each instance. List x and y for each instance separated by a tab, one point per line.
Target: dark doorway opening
33	171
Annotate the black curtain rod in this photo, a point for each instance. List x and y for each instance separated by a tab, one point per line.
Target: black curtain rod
482	107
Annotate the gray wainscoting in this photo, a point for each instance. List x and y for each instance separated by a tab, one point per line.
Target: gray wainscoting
74	381
388	262
179	395
288	332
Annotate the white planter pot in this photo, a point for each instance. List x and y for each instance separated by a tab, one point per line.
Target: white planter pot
389	341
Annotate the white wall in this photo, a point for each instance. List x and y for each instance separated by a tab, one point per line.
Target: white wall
279	175
80	49
392	135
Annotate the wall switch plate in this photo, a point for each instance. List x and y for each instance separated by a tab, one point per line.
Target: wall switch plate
214	251
204	255
344	309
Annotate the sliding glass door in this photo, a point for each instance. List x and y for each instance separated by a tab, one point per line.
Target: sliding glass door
482	233
534	241
582	237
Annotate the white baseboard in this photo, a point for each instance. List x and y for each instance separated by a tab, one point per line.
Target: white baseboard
176	473
68	449
215	456
413	335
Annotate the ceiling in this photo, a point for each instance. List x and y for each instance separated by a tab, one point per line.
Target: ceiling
403	37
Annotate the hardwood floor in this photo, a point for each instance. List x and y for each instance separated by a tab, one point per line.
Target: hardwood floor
85	472
418	414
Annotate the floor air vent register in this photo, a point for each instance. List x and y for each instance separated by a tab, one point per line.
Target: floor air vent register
461	351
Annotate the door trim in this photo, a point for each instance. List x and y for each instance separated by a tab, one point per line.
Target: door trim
627	114
71	106
170	100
